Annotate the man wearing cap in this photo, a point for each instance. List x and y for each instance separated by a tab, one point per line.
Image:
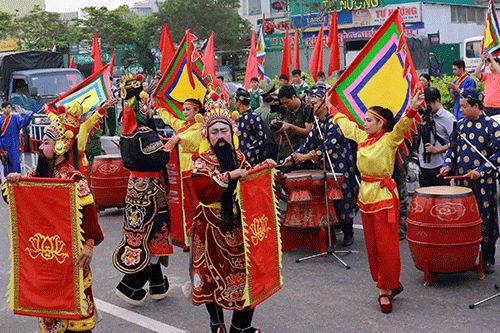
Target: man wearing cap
295	121
146	240
53	163
478	175
264	111
491	83
341	156
218	255
322	78
251	127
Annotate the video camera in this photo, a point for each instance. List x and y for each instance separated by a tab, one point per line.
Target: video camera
429	126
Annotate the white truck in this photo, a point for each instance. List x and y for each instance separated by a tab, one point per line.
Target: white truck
471	52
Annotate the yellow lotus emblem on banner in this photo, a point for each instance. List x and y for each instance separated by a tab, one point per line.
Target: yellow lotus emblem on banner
47	247
259	229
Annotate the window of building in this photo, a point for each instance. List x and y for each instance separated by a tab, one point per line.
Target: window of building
465	14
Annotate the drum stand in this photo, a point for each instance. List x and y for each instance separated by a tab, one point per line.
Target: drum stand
330	249
497	288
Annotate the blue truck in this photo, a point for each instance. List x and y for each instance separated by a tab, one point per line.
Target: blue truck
31	79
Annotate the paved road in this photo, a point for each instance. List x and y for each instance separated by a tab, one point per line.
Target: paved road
317	296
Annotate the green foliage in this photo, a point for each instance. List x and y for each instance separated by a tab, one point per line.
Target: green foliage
202	17
37	29
114	27
446	100
6	25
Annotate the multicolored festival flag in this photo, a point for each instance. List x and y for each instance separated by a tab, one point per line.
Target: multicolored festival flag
385	58
261	49
91	92
261	235
183	79
491	31
46	241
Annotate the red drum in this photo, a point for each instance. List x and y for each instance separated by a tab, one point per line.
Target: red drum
109	180
298	185
444	230
306	202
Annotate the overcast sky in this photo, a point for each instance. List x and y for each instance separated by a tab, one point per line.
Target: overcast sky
62	6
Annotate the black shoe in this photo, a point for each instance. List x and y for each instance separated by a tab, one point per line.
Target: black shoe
159	291
489	268
129	295
348	239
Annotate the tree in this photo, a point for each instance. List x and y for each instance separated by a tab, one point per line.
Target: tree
37	29
203	17
114	27
5	25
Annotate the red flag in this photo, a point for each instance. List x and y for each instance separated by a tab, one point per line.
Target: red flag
296	59
112	63
209	58
286	61
166	47
96	55
333	44
316	62
190	49
72	64
252	69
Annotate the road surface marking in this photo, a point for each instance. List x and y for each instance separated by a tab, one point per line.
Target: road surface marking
135	318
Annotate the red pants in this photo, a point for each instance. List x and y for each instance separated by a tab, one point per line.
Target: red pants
382	245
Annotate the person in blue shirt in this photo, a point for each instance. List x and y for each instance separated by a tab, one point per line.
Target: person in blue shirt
456	87
10	125
252	129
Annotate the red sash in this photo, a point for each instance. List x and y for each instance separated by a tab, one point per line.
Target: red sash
391	186
461	79
5	124
186	127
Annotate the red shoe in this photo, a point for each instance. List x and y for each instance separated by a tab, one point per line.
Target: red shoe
385	308
396	291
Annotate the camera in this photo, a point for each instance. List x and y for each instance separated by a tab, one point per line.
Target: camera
276	126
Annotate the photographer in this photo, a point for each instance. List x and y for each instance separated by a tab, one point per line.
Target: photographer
436	129
296	120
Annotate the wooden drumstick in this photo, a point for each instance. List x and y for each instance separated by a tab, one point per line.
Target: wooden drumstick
288	139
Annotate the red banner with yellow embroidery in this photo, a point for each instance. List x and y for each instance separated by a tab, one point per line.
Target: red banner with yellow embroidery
46	240
261	235
178	232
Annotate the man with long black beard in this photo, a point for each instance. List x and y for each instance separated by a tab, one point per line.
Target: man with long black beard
218	256
53	163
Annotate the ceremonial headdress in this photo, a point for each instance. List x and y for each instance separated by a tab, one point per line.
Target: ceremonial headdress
64	127
135	102
243	96
216	110
317	92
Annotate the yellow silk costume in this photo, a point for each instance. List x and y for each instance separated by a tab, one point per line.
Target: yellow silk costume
190	138
375	158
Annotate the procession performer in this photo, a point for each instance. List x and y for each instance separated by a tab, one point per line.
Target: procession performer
187	137
146	228
218	258
342	159
10	125
484	133
53	163
378	195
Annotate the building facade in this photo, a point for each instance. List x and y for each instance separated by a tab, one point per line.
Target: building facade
23	6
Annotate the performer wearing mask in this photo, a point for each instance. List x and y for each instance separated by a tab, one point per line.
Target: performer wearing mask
341	156
53	163
218	256
146	229
378	196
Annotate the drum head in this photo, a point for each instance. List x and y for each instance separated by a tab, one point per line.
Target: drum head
444	191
